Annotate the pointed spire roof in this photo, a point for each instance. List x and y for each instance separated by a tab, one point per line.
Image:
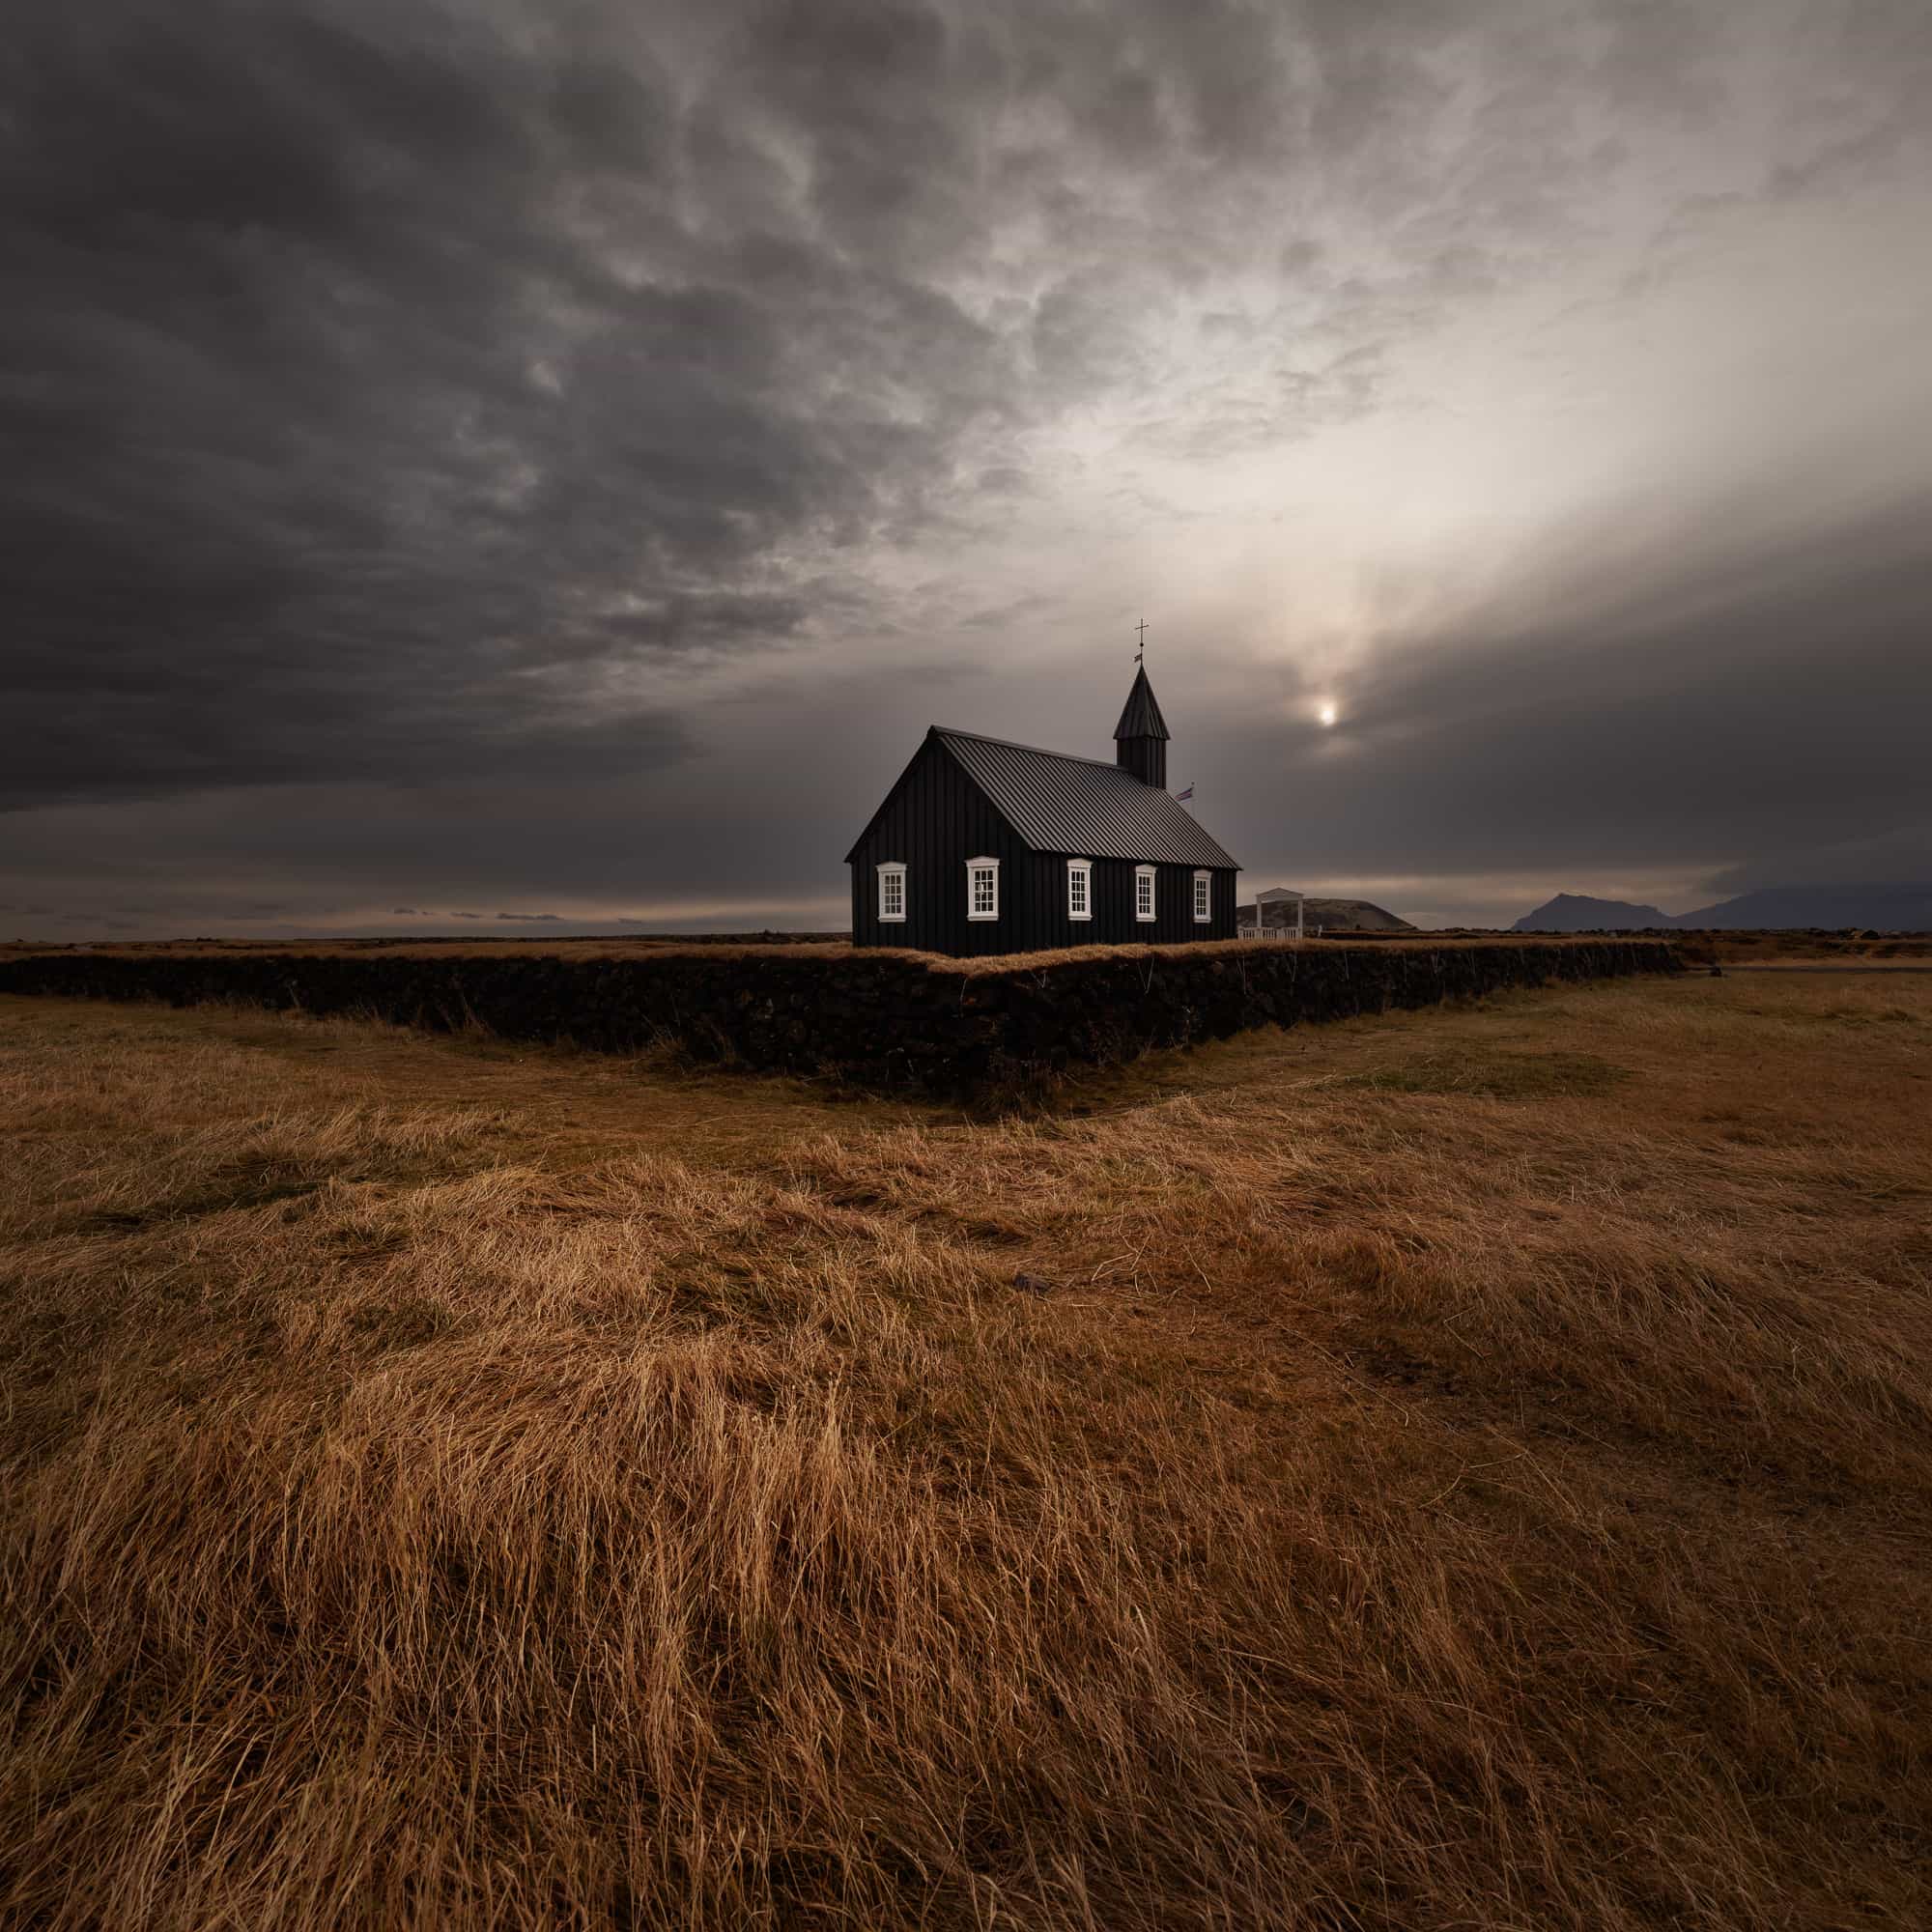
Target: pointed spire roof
1142	716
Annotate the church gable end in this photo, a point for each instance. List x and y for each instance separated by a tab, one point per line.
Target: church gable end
932	823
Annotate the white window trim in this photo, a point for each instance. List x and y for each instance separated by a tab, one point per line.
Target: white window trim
891	869
978	866
1146	872
1204	899
1084	869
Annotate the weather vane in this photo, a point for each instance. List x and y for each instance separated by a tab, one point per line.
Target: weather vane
1140	654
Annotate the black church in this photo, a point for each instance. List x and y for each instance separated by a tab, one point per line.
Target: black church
983	846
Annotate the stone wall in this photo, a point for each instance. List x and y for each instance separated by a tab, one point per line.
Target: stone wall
882	1019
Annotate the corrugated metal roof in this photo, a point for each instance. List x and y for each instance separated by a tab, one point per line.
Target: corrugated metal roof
1140	716
1081	807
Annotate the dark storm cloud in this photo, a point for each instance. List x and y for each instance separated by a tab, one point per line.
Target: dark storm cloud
392	382
374	406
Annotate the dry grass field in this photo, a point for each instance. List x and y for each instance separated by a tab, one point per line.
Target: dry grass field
1911	949
1460	1469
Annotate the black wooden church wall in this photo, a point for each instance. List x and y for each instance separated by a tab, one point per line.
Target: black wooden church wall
935	818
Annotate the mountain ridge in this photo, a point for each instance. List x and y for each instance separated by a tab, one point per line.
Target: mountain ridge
1884	906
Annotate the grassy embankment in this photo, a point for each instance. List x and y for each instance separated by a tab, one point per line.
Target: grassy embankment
1471	1468
1743	948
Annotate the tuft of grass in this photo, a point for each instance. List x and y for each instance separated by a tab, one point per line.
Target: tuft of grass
526	1488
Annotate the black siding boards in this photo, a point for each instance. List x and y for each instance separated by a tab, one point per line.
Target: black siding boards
936	817
933	821
1114	922
1145	758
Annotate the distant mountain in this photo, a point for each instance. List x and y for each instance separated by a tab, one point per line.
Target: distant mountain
1356	915
1880	908
1576	912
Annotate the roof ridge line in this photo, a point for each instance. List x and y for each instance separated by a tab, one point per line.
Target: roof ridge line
1038	751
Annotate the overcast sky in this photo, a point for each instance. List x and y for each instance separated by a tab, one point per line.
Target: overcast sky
555	459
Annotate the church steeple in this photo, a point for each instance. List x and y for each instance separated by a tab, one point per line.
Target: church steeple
1140	738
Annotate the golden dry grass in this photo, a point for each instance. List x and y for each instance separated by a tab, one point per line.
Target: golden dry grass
1912	950
1471	1468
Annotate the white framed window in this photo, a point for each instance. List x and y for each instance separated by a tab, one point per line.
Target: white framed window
1203	902
892	895
1143	893
982	889
1080	889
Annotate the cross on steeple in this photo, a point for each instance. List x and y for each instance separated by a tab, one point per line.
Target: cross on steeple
1140	654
